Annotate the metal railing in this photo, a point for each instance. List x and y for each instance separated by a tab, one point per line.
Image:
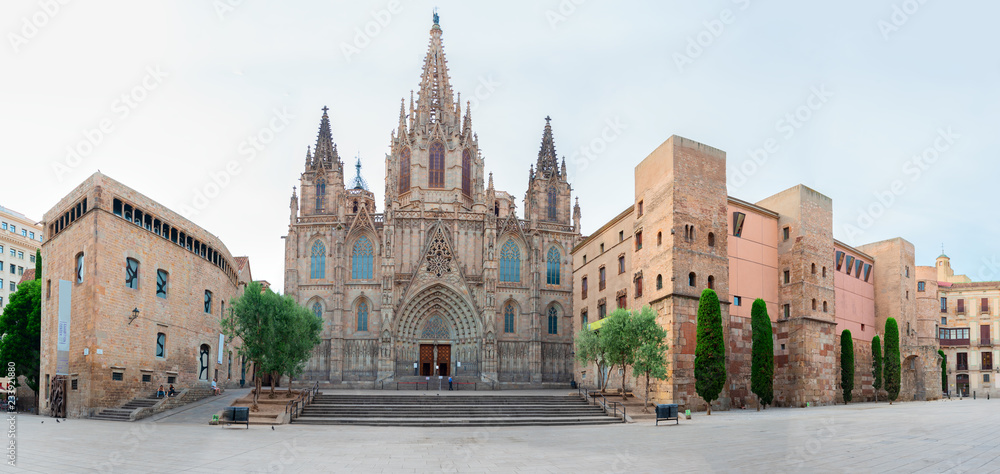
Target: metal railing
305	397
610	407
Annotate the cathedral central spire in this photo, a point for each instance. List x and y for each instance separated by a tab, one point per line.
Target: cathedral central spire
325	155
547	161
436	100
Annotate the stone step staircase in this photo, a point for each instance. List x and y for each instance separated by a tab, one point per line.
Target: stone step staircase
153	404
452	410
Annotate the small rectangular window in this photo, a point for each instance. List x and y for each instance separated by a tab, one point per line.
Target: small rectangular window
640	209
621	265
786	311
73	384
117	376
638	240
944	304
839	260
161	283
737	301
738	219
960	305
621	236
171	379
583	288
161	345
850	264
131	273
787	277
921	286
147	378
785	233
208	301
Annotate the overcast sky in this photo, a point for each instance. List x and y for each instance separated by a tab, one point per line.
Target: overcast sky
856	99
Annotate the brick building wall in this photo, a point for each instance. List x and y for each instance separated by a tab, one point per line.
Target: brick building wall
112	359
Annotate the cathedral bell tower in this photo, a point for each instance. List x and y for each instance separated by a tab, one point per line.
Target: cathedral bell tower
548	196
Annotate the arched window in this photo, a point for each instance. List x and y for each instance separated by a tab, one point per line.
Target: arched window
404	170
659	238
711	282
814	269
552	275
814	304
553	320
659	282
711	239
824	306
510	262
691	279
318	310
79	267
363	316
320	194
362	257
435	176
466	173
508	318
355	206
552	204
317	268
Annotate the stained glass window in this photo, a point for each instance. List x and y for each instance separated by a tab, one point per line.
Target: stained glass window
435	328
317	269
510	262
404	171
552	275
436	172
318	310
508	318
320	194
553	320
363	255
363	316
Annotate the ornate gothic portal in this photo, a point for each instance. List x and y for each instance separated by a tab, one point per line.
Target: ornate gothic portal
439	318
445	279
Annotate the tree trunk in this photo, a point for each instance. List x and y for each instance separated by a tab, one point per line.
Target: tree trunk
289	394
256	391
709	404
623	383
273	381
645	402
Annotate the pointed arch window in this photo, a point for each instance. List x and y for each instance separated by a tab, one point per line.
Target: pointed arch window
553	320
510	262
363	316
404	170
320	194
361	260
466	173
552	273
552	204
318	310
508	318
435	175
317	269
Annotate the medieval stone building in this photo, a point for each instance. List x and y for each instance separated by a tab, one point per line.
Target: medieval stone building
447	280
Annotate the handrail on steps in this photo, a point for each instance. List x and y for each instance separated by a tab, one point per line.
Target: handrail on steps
587	396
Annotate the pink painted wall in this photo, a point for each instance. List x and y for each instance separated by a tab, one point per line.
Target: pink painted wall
855	305
753	261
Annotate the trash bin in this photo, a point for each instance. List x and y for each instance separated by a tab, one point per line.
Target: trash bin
666	411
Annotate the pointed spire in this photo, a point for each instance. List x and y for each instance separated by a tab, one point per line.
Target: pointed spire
309	158
562	172
491	181
467	123
402	117
359	182
326	151
435	103
547	161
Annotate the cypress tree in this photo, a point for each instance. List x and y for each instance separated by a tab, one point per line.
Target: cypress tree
710	352
38	264
846	364
876	365
762	354
892	363
944	371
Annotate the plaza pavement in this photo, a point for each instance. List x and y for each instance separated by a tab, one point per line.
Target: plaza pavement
938	436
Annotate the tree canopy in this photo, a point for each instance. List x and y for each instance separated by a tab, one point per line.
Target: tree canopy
762	354
710	352
876	365
892	365
847	364
21	325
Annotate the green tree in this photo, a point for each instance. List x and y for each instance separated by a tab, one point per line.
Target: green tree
21	327
299	331
650	357
620	341
589	349
892	367
876	365
710	352
38	264
251	321
944	371
762	354
847	364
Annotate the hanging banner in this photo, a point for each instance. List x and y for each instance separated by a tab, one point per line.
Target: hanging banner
62	342
222	344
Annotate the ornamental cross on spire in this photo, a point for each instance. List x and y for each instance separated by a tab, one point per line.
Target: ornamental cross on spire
325	109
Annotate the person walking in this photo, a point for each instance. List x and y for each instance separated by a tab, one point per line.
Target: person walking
449	382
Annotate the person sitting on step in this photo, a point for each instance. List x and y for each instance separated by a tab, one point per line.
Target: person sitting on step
171	392
160	393
215	388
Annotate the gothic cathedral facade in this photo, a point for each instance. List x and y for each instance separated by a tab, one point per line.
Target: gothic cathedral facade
447	280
